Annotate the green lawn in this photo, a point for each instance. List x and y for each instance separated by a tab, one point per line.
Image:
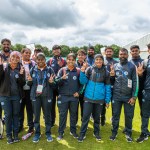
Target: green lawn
89	143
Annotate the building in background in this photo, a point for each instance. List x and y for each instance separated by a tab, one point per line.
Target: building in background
142	42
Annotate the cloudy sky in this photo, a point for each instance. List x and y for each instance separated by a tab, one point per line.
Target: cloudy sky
74	22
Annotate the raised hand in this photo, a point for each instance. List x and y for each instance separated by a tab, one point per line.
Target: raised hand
112	71
29	78
59	62
65	75
51	79
140	69
76	94
84	66
1	61
21	70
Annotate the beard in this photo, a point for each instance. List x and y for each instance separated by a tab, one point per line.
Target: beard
6	50
122	60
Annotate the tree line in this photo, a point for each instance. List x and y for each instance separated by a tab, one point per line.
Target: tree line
65	50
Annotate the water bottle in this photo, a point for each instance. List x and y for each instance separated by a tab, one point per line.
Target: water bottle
26	136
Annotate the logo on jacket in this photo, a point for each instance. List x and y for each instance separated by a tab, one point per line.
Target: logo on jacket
126	73
48	75
33	75
117	73
74	78
16	76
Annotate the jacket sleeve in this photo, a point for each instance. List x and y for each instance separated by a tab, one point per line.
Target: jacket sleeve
84	76
21	79
135	83
58	80
107	88
1	71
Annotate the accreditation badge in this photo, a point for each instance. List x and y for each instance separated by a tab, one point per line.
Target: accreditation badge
129	83
39	89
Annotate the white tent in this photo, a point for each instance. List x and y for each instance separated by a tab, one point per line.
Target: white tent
142	42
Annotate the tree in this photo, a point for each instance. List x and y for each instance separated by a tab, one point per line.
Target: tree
18	47
44	48
116	50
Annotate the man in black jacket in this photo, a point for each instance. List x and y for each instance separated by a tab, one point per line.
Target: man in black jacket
5	53
108	60
136	60
125	91
144	70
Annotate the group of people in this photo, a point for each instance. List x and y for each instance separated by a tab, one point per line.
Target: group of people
92	81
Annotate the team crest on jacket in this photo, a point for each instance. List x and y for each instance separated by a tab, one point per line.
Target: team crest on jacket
117	73
74	78
33	75
126	73
48	75
16	76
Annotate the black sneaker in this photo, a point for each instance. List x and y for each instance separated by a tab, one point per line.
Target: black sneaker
129	138
81	138
10	140
16	139
97	136
20	129
1	136
31	130
142	138
75	135
124	131
113	137
60	137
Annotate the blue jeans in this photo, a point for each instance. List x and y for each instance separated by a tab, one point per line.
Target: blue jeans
11	107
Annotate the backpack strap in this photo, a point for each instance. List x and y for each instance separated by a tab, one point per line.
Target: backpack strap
50	61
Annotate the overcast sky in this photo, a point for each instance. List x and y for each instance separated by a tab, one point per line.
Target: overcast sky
74	22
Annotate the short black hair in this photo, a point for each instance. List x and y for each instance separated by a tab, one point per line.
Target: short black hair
71	55
56	47
123	50
91	47
82	51
38	50
5	39
134	46
148	46
109	47
41	55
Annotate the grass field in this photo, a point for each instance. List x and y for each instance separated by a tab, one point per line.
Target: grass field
89	143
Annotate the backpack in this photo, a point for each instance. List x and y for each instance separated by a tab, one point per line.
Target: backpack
78	70
51	59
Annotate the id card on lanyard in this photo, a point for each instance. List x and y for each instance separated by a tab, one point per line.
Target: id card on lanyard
39	89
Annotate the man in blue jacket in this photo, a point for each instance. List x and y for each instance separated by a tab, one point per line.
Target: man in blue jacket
125	91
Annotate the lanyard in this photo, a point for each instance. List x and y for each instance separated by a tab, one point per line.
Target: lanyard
38	78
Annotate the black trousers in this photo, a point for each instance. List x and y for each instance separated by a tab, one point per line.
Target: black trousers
128	113
140	96
145	112
81	102
63	111
53	110
44	103
95	109
26	102
0	111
